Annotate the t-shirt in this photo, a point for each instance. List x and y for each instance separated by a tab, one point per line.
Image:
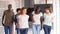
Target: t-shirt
48	19
23	21
8	17
36	18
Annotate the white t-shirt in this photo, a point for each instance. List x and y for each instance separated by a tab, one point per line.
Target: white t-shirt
23	21
48	19
36	18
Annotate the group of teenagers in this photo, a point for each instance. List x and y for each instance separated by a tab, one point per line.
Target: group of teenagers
22	23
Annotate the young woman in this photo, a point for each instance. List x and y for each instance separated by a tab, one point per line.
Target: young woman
23	21
36	21
48	21
18	10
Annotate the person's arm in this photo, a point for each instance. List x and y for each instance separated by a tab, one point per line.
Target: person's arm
15	19
32	18
41	17
3	18
52	22
18	21
41	20
13	16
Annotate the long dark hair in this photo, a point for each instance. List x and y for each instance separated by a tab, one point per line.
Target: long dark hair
37	10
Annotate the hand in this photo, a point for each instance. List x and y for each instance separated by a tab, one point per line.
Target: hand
2	24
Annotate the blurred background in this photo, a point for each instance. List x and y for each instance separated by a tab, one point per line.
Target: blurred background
30	4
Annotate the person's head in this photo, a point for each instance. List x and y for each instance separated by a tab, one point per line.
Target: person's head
9	7
24	10
38	10
48	10
18	10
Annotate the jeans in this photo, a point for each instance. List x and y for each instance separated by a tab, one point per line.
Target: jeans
8	29
18	30
47	29
36	28
24	31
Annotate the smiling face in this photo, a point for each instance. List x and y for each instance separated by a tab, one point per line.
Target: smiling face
24	11
47	10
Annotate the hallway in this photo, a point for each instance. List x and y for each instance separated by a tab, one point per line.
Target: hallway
30	4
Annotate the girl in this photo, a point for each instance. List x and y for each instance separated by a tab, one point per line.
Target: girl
23	21
36	21
48	20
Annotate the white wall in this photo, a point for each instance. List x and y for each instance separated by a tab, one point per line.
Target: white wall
39	1
21	3
56	19
42	2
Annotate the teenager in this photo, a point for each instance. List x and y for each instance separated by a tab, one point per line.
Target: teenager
18	10
23	21
48	21
7	20
36	21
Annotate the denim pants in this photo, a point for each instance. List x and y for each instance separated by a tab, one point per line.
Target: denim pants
36	28
18	30
8	29
24	31
47	29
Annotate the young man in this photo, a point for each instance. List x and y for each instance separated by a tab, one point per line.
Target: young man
18	10
8	16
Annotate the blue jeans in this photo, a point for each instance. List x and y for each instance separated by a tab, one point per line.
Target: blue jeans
47	29
36	28
8	29
24	31
18	30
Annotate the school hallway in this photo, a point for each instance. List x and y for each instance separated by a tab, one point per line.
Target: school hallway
31	5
